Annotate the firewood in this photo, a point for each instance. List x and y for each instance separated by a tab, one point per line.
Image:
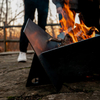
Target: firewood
68	39
93	28
55	40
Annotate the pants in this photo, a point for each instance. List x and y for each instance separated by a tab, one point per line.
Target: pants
30	6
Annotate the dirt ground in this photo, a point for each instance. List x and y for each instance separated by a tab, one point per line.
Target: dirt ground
13	77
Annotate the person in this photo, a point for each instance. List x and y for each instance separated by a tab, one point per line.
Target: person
73	5
88	8
30	6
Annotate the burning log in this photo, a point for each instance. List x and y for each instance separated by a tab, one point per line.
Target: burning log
74	35
55	40
93	29
67	40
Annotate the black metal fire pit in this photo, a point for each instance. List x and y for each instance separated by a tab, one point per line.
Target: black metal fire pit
61	64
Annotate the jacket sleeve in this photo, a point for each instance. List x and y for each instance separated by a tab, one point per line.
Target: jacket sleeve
58	3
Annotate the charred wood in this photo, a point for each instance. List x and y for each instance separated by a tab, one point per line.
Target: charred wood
74	35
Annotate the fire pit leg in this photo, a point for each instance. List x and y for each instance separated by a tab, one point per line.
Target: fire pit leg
37	71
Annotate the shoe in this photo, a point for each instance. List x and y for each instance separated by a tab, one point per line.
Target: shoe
22	57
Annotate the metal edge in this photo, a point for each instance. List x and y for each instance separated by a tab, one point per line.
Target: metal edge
26	25
68	45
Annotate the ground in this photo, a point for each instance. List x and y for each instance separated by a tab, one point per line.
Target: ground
13	77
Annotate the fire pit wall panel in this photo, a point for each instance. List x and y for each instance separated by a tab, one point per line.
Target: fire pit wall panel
75	61
38	38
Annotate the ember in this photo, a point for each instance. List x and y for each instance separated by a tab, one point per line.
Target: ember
73	31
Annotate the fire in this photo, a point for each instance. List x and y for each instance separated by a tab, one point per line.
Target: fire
67	21
76	30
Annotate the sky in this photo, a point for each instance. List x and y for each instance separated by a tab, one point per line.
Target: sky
17	6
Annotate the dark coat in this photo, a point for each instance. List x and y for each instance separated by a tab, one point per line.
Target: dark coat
89	9
72	3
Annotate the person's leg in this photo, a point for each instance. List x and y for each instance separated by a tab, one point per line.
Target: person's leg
29	13
42	13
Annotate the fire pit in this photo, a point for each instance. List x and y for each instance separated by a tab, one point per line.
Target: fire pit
61	60
64	63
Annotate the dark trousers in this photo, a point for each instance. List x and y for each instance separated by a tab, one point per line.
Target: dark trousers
30	6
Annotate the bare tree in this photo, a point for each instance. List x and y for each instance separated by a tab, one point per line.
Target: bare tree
1	11
6	12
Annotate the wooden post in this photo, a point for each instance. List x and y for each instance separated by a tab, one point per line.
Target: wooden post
4	37
6	11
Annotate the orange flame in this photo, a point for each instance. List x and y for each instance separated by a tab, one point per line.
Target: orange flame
67	20
77	31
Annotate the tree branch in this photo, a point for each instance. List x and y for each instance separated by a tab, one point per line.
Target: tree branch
15	17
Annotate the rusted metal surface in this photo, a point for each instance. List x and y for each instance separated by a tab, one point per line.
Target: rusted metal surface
38	38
